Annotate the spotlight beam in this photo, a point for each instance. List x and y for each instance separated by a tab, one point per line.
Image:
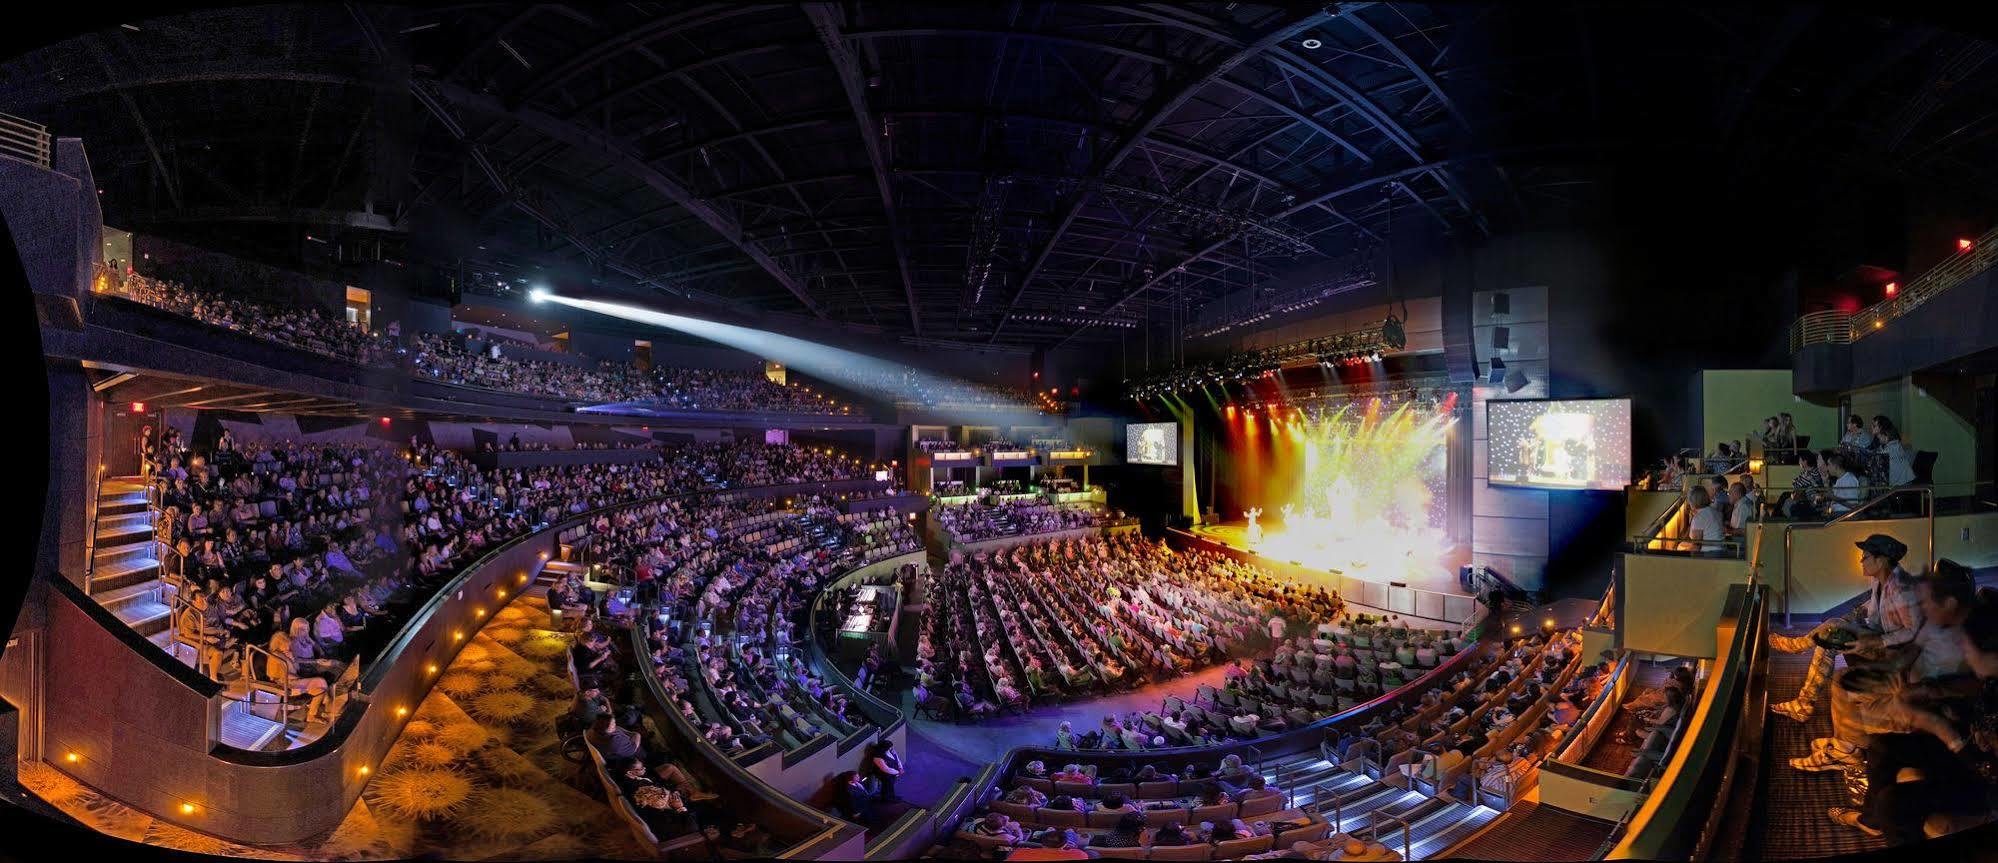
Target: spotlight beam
854	370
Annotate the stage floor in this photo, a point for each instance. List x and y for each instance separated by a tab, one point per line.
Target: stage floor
1440	577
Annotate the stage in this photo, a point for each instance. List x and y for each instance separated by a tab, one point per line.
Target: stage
1364	573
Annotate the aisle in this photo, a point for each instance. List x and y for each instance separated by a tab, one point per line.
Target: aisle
989	740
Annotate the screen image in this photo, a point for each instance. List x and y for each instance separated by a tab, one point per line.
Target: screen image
1555	444
1151	443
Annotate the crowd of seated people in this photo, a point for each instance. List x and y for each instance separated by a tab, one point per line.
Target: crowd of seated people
1483	736
931	445
721	389
289	324
1228	807
446	358
313	552
1305	679
1053	619
730	581
975	521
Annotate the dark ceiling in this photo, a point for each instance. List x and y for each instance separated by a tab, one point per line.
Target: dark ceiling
1017	174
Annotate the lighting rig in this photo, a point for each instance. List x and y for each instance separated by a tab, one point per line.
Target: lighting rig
1349	348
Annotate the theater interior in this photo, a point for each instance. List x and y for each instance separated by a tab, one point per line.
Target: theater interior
1004	431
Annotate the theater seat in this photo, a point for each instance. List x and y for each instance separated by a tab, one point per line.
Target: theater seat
1203	851
1121	853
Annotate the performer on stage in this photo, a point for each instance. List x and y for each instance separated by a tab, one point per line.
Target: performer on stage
1255	527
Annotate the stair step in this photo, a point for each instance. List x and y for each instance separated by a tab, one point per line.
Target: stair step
244	729
117	529
123	572
104	554
121	503
1440	842
122	485
144	616
110	599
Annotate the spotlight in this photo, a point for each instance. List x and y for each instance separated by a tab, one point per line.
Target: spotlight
1893	288
1964	244
537	294
1312	44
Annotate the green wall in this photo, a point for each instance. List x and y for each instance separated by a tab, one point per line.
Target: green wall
1733	403
1933	413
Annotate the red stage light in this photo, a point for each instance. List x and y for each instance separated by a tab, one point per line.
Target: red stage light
138	407
1963	244
1893	288
385	420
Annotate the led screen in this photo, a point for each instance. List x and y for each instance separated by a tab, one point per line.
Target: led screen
1558	444
1151	443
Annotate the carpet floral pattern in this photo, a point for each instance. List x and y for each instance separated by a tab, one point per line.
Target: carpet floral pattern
477	774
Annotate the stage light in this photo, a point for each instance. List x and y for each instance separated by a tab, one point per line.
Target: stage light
1893	288
138	407
72	758
1964	244
187	809
538	294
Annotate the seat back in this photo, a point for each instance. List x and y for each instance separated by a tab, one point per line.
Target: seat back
1307	833
1128	789
1263	805
1158	789
1015	811
1121	853
1241	847
1202	851
1075	789
1060	817
1217	812
1100	820
1156	818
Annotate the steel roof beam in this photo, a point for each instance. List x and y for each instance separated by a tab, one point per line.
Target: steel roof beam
1158	113
620	154
826	19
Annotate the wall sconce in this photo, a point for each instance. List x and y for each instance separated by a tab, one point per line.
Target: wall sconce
187	808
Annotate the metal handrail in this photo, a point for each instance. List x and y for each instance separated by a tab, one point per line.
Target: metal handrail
1406	830
1837	327
1790	529
26	141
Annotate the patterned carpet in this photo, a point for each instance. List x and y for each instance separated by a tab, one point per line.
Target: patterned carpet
1530	831
1792	818
476	775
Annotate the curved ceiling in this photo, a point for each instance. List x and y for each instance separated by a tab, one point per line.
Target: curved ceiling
1013	174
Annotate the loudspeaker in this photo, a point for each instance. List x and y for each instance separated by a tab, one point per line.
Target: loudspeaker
1496	375
1501	338
1515	380
1501	304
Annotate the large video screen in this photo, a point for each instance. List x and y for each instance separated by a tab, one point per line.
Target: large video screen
1558	444
1151	443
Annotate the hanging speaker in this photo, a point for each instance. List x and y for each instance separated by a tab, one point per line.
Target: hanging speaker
1515	380
1501	304
1501	338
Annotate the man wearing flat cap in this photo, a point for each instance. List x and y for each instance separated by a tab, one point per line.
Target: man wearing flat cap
1889	618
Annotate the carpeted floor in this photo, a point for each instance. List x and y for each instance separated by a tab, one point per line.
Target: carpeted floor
476	775
1793	820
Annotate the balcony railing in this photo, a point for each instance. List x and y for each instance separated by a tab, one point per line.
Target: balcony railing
27	142
1834	327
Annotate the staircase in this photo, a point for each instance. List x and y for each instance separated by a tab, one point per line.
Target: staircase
1370	809
124	573
555	570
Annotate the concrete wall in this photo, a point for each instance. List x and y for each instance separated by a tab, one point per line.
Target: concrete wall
1509	526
